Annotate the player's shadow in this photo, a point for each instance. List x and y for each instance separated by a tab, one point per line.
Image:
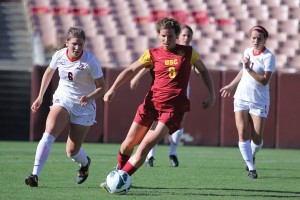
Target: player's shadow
236	192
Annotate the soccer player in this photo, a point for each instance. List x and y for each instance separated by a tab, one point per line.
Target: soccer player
166	102
185	38
252	98
81	82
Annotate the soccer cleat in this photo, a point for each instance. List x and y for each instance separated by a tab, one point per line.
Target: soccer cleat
83	172
104	187
149	162
32	180
174	161
246	167
252	174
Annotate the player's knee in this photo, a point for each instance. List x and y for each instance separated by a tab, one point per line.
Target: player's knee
70	153
243	136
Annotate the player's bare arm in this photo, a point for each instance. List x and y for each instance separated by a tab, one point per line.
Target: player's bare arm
261	78
199	65
226	90
44	85
126	74
135	80
98	92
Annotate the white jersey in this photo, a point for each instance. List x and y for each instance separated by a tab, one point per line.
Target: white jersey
248	88
76	77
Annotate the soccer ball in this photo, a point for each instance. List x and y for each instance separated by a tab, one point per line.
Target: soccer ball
118	182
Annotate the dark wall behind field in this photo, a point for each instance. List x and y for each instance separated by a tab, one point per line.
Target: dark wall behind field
212	127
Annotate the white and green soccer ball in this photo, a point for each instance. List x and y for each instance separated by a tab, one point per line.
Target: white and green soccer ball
118	182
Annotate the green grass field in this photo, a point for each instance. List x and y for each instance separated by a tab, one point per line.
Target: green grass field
203	173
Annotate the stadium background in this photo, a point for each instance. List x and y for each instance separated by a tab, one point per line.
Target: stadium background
118	32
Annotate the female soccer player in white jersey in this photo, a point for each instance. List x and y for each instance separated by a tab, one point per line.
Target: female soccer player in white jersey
81	82
252	98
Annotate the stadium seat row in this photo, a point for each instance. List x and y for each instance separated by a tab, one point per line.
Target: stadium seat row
220	26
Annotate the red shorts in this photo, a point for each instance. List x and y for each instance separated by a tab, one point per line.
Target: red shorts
145	116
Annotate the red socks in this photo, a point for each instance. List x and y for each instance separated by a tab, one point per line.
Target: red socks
124	165
122	160
129	168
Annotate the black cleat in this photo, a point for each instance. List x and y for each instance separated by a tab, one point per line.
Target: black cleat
252	174
149	162
83	172
246	167
174	161
32	180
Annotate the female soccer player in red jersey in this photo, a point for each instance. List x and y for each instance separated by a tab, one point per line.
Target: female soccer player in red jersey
166	102
185	38
252	98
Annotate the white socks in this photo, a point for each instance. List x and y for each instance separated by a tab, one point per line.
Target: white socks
152	152
42	153
255	148
80	158
174	141
245	149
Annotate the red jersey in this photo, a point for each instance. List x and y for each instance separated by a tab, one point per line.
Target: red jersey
170	70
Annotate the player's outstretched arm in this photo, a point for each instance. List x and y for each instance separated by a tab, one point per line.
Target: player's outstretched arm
227	89
126	74
135	80
201	68
44	85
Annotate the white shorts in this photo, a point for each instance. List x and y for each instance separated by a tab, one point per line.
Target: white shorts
256	109
82	115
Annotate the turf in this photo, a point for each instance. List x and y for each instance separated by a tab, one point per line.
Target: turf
203	173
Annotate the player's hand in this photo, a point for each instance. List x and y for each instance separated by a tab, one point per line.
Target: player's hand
209	103
83	100
246	61
36	104
225	91
108	96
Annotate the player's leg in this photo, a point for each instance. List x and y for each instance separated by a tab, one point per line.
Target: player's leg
150	157
258	115
242	123
149	141
57	120
76	153
134	136
79	127
174	142
257	133
167	123
142	121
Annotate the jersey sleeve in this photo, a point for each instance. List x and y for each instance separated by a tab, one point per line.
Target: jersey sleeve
95	68
269	62
146	58
247	53
53	62
195	56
